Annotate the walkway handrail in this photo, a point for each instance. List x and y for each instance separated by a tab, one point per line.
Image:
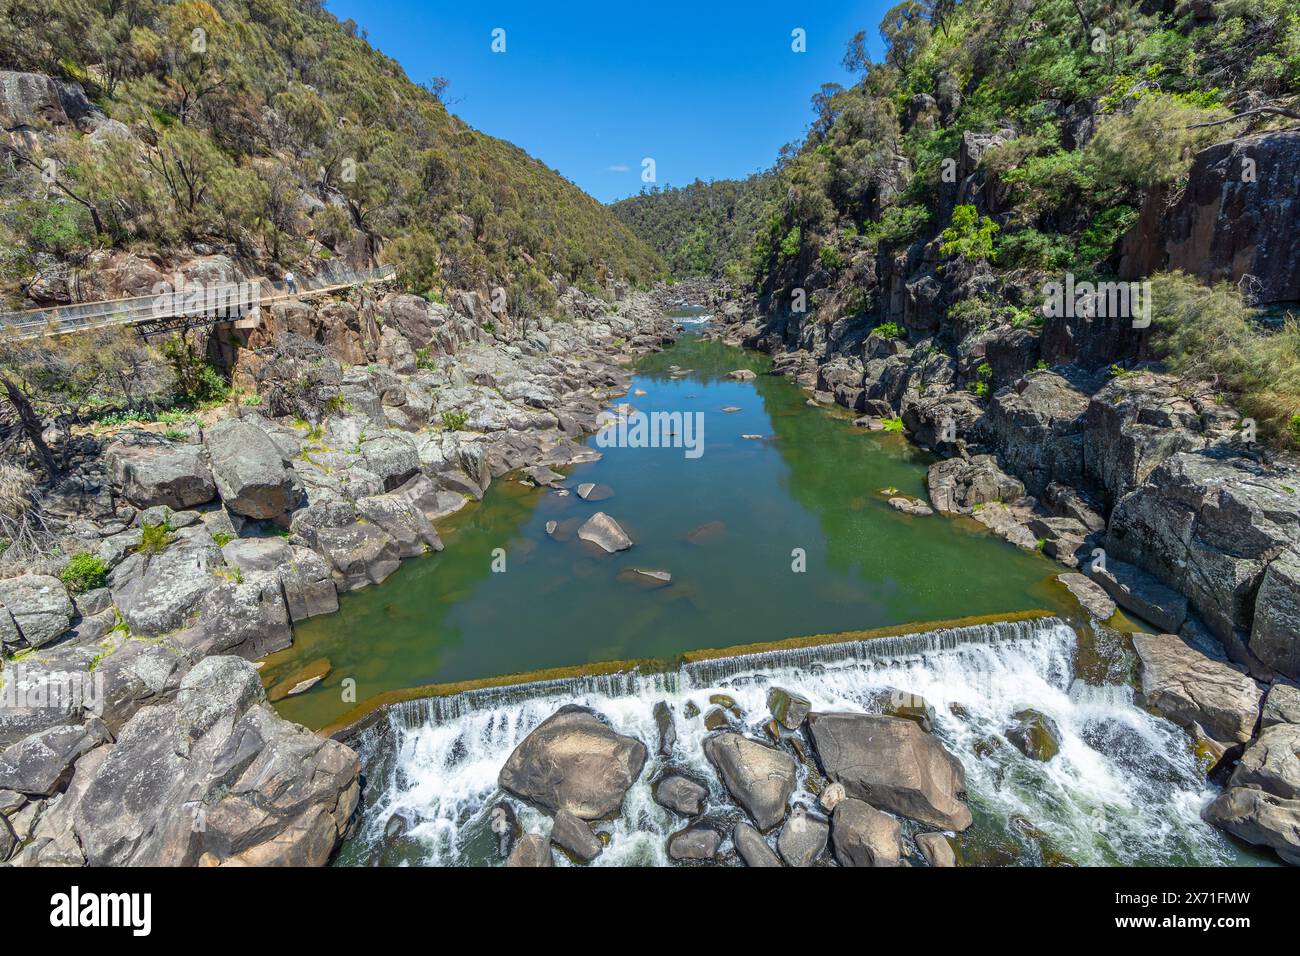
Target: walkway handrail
84	316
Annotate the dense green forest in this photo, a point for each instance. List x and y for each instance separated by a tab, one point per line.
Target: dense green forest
240	117
699	228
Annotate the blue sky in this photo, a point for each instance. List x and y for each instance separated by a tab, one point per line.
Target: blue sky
707	89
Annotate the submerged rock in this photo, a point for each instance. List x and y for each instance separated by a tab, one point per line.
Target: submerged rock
604	532
894	765
573	761
1090	595
759	777
1035	735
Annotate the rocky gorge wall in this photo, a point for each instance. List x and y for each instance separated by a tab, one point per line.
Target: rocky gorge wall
219	538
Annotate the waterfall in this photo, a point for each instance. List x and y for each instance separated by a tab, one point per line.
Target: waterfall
1123	790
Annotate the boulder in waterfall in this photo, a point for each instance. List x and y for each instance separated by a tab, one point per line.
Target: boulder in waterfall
1272	762
1184	685
697	842
530	850
604	532
894	765
505	827
680	794
908	706
751	846
863	836
667	727
759	777
802	838
831	796
575	837
789	709
1258	817
573	761
937	849
1035	735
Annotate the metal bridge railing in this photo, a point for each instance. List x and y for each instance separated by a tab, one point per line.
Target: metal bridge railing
197	301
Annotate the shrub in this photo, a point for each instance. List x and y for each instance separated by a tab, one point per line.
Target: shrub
222	538
892	424
1206	333
898	225
84	572
454	421
890	330
970	236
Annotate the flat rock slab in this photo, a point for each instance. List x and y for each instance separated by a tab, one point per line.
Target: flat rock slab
894	765
574	761
863	836
1090	595
802	838
590	491
1189	688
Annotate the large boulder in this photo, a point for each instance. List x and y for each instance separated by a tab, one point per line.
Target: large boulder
216	778
759	777
308	585
863	836
156	593
573	761
1259	817
894	765
751	846
34	610
1189	688
358	554
1037	427
41	765
1275	633
391	456
961	485
29	100
802	838
156	472
249	470
247	617
406	524
1272	762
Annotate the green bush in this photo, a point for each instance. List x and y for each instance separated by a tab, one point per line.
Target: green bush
154	538
890	330
454	421
84	572
970	236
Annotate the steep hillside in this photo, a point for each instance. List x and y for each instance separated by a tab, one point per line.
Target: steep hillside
1006	145
271	132
699	228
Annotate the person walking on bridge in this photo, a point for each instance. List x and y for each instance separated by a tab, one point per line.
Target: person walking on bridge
290	283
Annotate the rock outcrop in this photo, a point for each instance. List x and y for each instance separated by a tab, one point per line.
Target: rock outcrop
1189	688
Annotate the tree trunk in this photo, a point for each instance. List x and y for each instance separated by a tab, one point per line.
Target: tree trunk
31	425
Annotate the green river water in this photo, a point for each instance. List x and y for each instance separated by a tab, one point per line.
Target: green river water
726	525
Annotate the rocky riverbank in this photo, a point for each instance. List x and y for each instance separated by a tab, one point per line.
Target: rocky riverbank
134	729
1142	482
